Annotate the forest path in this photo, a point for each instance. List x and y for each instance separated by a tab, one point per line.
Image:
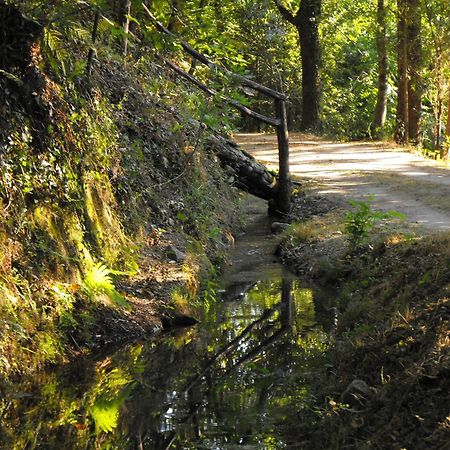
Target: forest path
397	180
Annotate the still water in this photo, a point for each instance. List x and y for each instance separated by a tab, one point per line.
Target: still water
238	380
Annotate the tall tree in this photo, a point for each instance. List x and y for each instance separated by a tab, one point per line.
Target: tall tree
381	105
447	128
306	21
409	60
414	56
438	46
401	133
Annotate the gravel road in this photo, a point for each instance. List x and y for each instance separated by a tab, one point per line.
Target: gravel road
394	178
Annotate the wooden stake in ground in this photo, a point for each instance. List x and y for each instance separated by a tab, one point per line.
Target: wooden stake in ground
447	128
126	27
284	185
91	54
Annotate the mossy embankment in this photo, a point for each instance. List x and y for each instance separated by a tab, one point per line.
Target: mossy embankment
386	383
112	210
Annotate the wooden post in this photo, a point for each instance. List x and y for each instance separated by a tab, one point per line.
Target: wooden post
126	27
91	53
283	200
287	317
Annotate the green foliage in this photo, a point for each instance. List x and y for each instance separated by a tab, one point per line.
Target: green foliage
106	407
98	280
252	38
349	69
55	52
301	232
360	221
80	161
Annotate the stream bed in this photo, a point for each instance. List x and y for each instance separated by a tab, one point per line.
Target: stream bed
238	380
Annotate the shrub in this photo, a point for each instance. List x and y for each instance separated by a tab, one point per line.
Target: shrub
360	221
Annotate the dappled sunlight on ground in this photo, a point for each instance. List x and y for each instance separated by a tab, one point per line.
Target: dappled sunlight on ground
397	179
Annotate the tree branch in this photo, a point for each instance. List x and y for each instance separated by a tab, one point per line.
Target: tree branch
204	60
285	12
213	93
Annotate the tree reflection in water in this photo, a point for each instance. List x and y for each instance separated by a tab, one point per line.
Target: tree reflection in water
233	380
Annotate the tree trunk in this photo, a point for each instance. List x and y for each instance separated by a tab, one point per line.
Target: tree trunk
122	10
445	151
414	56
409	59
308	28
173	19
381	105
402	126
447	128
306	21
249	175
437	126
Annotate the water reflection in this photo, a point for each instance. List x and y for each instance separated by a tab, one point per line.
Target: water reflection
232	381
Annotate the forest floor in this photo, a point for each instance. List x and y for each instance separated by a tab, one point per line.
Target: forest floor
395	178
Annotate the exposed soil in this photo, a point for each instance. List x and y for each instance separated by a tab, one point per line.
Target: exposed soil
397	179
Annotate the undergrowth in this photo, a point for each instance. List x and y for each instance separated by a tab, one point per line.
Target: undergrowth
391	318
91	170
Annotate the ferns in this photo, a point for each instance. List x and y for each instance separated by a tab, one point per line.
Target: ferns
78	34
98	280
55	51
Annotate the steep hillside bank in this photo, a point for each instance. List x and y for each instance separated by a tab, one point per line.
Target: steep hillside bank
112	209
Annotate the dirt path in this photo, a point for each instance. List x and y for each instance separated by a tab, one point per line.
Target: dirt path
397	180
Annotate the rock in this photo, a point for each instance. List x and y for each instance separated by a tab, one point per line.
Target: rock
357	394
229	170
278	227
237	290
174	254
178	320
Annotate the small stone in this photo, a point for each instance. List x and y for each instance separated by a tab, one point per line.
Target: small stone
165	162
174	254
357	394
278	227
178	320
229	171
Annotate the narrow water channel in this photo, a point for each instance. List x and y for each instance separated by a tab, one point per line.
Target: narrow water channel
239	379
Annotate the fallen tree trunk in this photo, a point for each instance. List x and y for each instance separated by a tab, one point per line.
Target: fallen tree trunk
249	175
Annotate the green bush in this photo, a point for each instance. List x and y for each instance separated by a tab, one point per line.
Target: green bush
360	221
